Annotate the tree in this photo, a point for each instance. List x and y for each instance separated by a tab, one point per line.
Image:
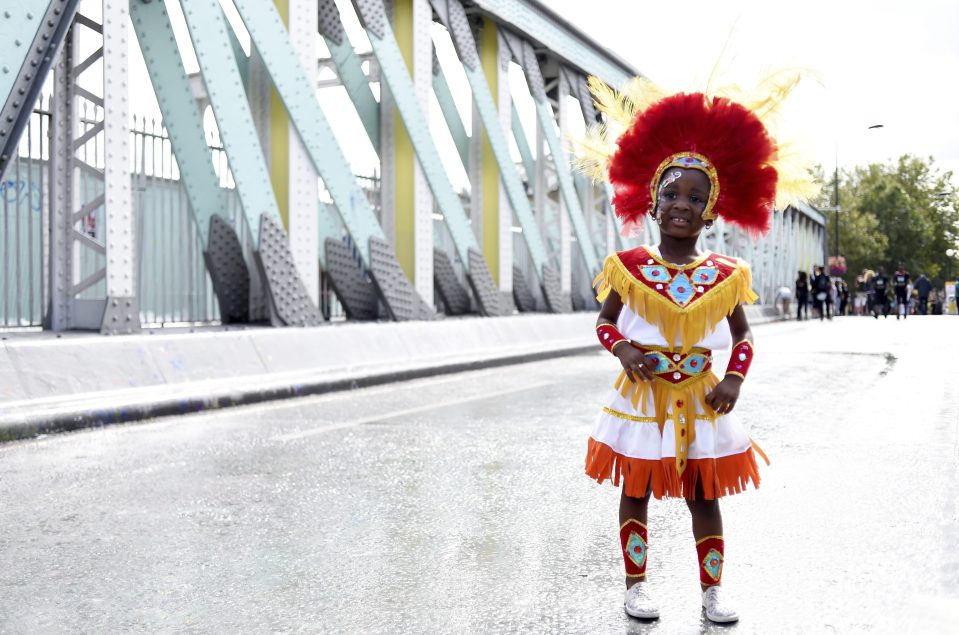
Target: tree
905	211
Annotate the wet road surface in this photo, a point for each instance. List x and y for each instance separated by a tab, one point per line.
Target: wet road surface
457	505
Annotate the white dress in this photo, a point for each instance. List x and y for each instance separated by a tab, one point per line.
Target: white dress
640	427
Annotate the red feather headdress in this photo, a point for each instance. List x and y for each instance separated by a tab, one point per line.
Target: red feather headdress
723	138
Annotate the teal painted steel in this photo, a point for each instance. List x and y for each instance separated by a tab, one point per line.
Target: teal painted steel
519	135
242	59
180	115
31	31
563	41
357	86
18	26
444	96
328	227
397	77
515	190
208	30
271	39
548	124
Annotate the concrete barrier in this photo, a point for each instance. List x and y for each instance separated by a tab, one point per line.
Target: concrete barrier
50	383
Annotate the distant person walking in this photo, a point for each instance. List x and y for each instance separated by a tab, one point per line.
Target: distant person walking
923	287
867	276
880	287
820	290
900	284
802	295
784	295
843	289
834	297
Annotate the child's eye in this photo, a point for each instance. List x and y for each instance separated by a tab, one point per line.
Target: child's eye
695	199
669	196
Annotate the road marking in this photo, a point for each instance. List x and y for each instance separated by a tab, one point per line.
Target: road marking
292	436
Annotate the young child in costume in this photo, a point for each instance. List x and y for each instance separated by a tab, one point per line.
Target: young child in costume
666	429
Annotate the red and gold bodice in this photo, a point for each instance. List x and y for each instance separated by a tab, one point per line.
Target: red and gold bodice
683	301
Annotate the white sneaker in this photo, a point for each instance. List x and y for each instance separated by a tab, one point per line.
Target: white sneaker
718	608
639	602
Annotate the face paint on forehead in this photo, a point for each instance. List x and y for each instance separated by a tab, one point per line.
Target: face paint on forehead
670	178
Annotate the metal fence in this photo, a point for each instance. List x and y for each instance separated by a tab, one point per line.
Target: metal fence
23	208
174	287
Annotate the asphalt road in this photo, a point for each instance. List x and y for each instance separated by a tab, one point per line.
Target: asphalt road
458	505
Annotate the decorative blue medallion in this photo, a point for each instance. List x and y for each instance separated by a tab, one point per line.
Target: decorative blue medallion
705	275
693	364
636	549
713	564
654	273
662	362
681	289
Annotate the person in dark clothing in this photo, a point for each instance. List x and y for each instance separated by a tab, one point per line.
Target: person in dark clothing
880	287
923	287
802	295
843	296
900	284
820	290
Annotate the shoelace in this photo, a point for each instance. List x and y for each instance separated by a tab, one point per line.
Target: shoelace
641	593
715	597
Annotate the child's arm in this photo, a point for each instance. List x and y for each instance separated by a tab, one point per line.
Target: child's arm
633	361
723	397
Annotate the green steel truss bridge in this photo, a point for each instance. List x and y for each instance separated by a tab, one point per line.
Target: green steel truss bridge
241	205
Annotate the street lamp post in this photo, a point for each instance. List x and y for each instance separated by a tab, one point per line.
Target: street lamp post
835	197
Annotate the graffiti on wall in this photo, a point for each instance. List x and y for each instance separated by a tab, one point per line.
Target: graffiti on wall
18	192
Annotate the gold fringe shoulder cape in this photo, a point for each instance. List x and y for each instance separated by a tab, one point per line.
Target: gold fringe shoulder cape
687	301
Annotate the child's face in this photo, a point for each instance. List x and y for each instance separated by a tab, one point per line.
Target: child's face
681	200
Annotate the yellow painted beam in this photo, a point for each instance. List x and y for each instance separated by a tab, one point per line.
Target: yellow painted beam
489	60
280	139
404	158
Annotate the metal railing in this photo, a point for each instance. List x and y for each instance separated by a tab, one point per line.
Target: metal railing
174	288
23	240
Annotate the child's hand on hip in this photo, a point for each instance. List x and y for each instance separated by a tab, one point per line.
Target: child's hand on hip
723	397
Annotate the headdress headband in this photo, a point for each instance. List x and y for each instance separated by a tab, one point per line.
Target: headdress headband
690	161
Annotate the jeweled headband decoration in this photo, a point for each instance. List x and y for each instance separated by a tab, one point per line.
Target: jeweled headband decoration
690	161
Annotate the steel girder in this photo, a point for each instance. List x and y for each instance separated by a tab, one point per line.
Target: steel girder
347	64
453	17
524	54
444	96
349	69
529	163
374	18
101	252
303	181
289	301
270	37
31	32
182	118
533	22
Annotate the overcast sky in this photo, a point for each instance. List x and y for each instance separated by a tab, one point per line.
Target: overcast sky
890	63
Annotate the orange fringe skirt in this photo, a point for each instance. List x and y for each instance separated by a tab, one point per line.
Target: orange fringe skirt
634	443
713	478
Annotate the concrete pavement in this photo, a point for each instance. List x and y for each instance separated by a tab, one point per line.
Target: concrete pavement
457	504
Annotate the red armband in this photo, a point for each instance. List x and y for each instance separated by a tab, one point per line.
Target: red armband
609	336
741	358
